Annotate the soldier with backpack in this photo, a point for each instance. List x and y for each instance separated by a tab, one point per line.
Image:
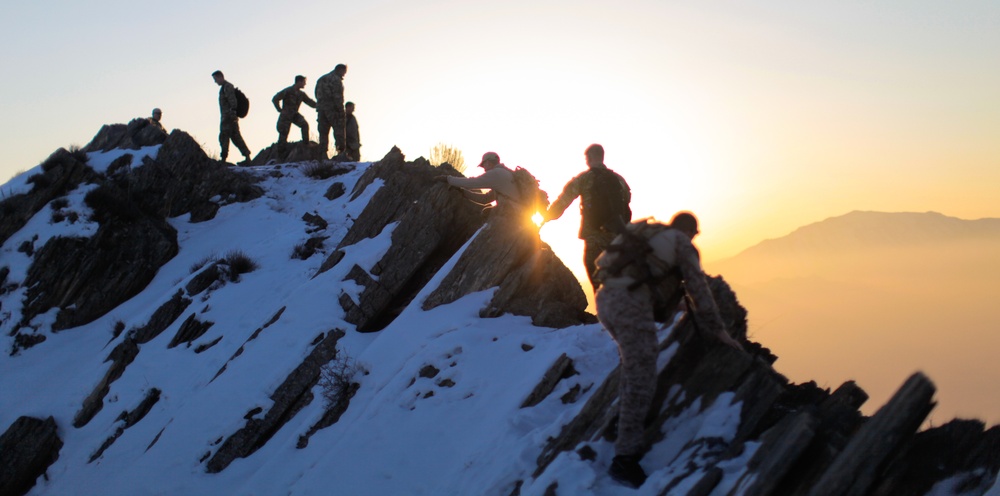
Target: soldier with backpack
330	111
496	178
229	128
604	205
642	276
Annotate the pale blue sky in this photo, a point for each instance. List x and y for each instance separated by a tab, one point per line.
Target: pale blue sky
760	117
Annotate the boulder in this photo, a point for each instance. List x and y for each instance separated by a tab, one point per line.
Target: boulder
136	134
286	153
27	448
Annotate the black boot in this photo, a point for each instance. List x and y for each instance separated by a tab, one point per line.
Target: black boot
626	470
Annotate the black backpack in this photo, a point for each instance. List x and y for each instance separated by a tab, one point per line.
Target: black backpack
242	104
631	255
606	205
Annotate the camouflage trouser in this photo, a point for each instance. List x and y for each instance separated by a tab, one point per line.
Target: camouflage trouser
285	124
326	119
628	317
593	245
229	130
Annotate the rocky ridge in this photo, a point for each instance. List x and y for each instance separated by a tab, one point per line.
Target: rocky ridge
794	438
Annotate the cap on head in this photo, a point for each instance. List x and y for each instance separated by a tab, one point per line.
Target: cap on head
300	79
217	74
685	222
157	111
490	158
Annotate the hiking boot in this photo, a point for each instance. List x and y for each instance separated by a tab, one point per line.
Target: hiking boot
626	470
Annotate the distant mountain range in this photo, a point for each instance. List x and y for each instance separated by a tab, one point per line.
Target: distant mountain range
873	296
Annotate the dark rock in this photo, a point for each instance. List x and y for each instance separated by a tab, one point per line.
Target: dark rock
63	171
27	448
162	318
191	329
532	280
87	277
433	223
23	341
182	179
121	356
428	371
291	396
336	190
132	136
129	419
208	276
318	223
286	153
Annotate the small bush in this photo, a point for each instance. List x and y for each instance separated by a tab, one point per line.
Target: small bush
337	378
58	216
447	154
110	201
321	170
239	263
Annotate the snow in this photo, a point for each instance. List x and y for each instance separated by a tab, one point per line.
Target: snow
460	432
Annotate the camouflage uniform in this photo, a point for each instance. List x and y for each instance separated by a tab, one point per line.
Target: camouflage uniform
353	139
595	238
628	317
291	99
229	128
330	110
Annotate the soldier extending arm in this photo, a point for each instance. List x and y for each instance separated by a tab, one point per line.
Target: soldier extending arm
697	288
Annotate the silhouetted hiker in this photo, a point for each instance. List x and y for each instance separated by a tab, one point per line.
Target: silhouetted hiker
288	111
353	151
604	205
497	178
229	128
642	276
330	108
154	119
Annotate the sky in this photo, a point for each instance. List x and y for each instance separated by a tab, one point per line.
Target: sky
762	116
460	432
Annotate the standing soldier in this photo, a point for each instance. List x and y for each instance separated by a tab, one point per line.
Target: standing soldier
154	119
604	199
291	98
229	128
330	108
353	152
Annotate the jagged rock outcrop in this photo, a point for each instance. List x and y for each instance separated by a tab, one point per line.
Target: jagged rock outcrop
433	222
61	172
139	132
27	448
286	153
182	179
86	277
508	254
811	442
291	396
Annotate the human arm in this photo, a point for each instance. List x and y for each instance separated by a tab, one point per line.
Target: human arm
696	285
277	98
569	193
308	101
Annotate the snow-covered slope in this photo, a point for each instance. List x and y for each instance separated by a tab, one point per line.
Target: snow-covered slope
439	408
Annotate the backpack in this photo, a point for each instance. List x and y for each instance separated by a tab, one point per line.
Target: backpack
532	197
242	104
606	205
631	255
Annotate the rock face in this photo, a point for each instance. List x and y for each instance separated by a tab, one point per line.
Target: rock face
27	449
433	223
87	277
812	442
284	153
132	136
63	171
